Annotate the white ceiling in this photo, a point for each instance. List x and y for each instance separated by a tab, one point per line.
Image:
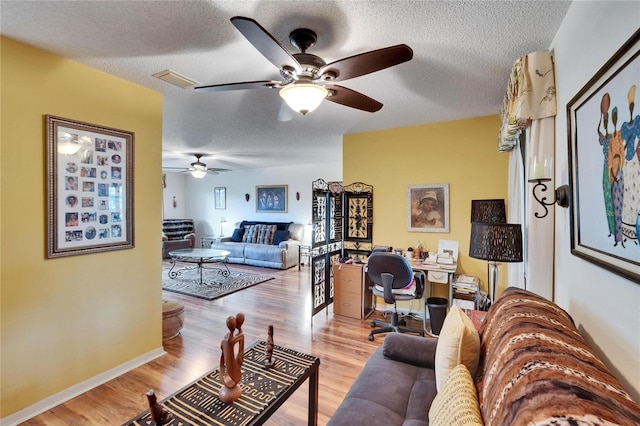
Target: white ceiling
463	53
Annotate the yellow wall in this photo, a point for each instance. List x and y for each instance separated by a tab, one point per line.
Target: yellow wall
69	319
461	153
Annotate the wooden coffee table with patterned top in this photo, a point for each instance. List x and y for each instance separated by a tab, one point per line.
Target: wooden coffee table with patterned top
263	391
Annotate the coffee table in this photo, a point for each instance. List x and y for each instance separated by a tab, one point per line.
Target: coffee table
199	256
263	391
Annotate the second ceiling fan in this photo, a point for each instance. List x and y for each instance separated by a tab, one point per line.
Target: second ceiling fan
198	169
306	78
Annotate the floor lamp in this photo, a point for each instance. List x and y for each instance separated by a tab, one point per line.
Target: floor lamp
488	211
495	242
223	223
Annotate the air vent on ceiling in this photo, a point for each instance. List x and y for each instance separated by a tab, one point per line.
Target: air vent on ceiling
175	79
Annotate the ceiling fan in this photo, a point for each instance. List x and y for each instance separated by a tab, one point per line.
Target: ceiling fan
198	169
306	78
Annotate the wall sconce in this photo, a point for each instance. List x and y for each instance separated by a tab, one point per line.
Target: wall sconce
540	172
247	196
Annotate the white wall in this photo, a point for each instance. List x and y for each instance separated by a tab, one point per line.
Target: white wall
197	195
176	187
605	306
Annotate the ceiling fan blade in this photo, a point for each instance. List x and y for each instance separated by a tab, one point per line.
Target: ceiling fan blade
265	43
173	168
347	97
239	86
217	170
368	62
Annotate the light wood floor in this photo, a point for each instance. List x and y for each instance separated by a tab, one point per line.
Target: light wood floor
340	343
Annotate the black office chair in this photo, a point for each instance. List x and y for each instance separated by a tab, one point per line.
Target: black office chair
390	275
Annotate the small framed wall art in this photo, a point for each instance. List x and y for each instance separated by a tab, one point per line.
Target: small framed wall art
220	197
89	188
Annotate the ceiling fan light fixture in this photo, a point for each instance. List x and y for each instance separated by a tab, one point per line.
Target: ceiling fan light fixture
303	97
198	173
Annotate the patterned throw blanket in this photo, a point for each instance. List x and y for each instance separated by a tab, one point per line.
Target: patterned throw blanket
536	369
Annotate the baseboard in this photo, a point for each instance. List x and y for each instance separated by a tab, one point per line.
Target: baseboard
77	389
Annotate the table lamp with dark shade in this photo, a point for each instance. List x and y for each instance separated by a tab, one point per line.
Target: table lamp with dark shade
488	211
495	242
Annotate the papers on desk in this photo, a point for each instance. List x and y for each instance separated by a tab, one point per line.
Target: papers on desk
446	257
436	265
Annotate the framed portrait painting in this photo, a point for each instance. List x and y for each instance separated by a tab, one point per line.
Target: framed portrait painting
604	165
89	188
272	198
428	208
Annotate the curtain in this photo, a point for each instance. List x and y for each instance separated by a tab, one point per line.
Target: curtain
515	212
530	107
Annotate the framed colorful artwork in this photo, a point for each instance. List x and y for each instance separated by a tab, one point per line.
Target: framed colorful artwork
604	165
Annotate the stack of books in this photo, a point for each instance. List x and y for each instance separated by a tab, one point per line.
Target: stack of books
445	259
465	288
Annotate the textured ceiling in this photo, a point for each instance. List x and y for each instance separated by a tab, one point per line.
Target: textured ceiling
463	53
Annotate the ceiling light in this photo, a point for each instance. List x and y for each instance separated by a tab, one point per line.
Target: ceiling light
198	171
303	97
198	174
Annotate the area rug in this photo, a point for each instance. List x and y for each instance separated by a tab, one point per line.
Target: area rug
214	284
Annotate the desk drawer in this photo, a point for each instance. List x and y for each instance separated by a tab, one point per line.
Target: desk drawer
348	279
438	277
347	304
349	285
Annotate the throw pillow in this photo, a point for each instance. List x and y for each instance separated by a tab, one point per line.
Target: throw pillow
237	235
265	234
249	234
457	402
280	237
458	343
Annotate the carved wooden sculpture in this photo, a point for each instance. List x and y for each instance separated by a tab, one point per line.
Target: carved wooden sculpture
231	359
269	362
159	414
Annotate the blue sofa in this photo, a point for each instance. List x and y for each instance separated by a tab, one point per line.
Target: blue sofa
268	244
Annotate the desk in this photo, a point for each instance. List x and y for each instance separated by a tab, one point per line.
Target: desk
432	271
